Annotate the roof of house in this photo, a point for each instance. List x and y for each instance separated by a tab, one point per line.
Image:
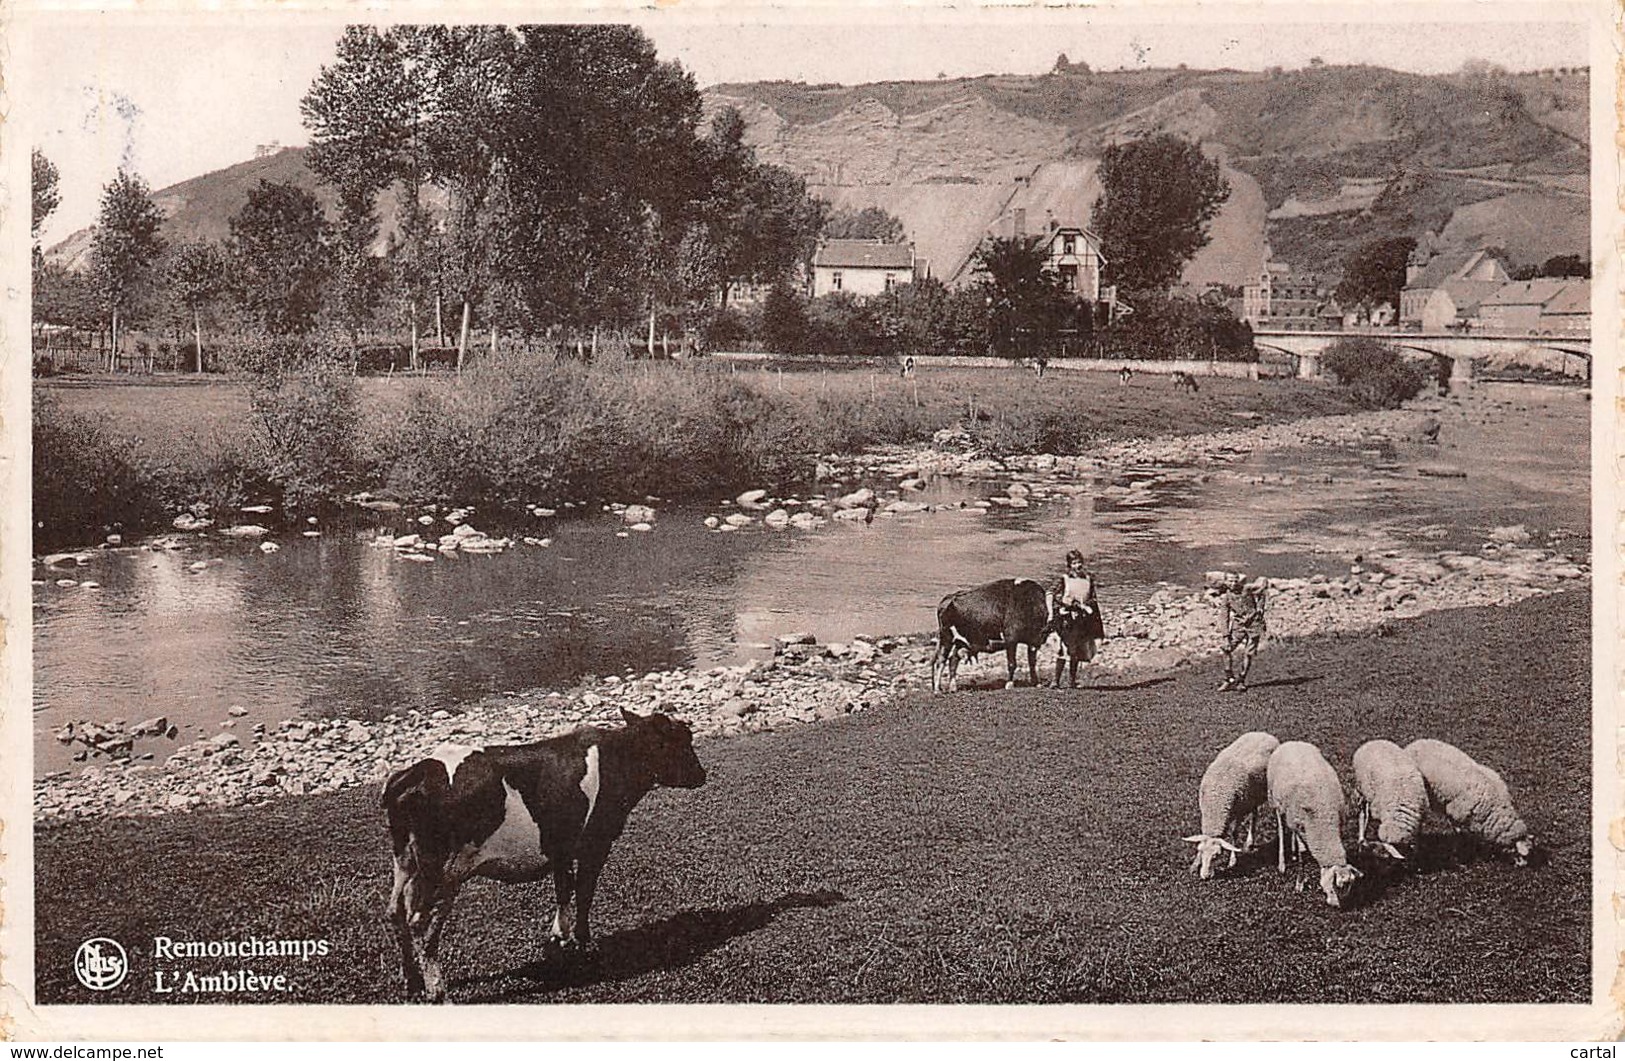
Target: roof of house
1090	237
1527	292
1448	265
864	254
1574	298
1468	294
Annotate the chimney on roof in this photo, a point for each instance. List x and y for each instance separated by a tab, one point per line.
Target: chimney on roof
1049	221
1019	224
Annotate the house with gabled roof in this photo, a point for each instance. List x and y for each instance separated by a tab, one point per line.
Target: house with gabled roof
1569	311
1514	308
861	266
1444	291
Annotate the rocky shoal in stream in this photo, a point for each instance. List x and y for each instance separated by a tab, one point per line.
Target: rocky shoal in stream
804	682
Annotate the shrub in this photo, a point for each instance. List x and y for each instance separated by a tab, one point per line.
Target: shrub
1176	329
784	328
87	481
847	326
264	354
1377	375
305	431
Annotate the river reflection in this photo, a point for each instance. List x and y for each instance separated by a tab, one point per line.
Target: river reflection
333	626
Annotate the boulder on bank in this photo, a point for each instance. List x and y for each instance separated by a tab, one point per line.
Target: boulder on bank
856	499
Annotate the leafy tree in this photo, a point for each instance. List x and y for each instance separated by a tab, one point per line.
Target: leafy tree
197	279
1026	303
871	222
46	195
1159	193
64	296
784	321
603	170
279	257
1566	265
358	274
759	219
1162	328
372	116
125	245
1374	272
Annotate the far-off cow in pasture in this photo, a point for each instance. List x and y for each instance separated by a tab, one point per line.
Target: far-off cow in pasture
1002	614
516	813
1184	381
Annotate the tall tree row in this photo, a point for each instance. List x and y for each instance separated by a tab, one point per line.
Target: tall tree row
576	186
125	249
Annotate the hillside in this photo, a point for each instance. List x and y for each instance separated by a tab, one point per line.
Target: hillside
1332	155
1318	159
202	208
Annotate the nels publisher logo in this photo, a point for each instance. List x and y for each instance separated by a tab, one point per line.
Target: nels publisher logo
101	964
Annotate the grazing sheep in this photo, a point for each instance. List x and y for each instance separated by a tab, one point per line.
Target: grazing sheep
1392	793
1308	802
1472	796
1234	786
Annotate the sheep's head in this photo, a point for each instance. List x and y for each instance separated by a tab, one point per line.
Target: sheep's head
1523	851
1335	881
1207	849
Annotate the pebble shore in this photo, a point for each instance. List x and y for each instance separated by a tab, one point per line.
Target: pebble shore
807	682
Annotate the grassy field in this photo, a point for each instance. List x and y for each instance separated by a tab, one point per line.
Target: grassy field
986	846
125	455
167	412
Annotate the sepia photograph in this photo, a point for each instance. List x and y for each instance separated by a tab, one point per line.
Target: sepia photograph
846	507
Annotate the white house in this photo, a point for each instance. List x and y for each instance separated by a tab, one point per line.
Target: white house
1073	254
861	266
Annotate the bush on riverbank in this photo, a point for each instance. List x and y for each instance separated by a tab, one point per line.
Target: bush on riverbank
306	432
526	427
1163	329
1377	375
88	481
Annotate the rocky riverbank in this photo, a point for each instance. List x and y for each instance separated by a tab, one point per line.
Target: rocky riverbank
140	770
805	682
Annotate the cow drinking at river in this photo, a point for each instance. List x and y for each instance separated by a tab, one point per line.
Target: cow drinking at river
1002	614
518	813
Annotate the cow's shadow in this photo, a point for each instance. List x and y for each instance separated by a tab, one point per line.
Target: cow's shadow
1301	679
1124	688
669	943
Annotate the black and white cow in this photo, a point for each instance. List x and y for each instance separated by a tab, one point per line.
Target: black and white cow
1002	614
517	813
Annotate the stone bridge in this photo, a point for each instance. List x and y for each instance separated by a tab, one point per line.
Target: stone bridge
1458	348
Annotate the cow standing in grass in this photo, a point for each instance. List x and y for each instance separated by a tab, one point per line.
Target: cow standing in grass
1002	614
516	813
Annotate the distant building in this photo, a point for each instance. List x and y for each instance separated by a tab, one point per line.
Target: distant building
1544	306
861	267
1073	254
1569	313
1284	302
1444	290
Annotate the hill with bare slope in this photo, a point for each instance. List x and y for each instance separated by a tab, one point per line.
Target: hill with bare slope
1318	159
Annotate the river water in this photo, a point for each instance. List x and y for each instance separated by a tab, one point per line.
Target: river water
332	626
